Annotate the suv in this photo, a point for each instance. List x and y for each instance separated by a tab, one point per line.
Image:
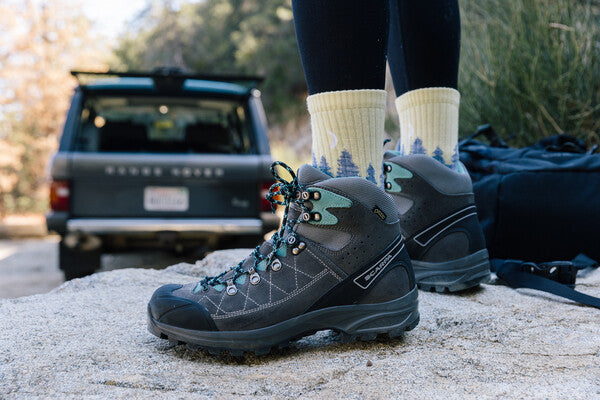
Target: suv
159	160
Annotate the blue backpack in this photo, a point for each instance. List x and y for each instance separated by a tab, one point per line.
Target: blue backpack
536	205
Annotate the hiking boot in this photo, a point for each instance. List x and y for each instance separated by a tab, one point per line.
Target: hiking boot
337	262
439	222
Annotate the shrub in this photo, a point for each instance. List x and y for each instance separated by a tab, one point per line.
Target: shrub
531	68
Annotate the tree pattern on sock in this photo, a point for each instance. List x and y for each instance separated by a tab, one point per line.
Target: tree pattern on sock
417	147
400	149
346	166
324	167
455	158
438	154
371	174
314	160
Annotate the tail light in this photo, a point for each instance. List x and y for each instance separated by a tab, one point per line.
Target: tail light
59	195
265	205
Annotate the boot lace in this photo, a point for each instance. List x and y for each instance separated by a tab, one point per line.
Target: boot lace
290	191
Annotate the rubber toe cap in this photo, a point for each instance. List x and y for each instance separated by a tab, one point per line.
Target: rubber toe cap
177	311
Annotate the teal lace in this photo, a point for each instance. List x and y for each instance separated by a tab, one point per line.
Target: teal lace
290	191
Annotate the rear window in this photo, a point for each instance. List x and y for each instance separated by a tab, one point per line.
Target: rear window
118	124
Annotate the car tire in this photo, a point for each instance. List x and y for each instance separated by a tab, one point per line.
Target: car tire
77	263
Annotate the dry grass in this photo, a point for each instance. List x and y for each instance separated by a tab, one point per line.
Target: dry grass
531	68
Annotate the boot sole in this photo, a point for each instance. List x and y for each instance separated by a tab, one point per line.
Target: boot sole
453	276
357	321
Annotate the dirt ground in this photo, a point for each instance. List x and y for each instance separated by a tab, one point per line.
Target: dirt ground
30	266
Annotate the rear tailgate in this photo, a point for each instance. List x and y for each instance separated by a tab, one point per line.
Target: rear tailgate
164	185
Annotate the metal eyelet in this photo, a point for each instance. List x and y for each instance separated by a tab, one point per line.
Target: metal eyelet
388	168
305	196
291	239
316	216
276	265
297	250
255	278
231	289
305	217
388	185
316	195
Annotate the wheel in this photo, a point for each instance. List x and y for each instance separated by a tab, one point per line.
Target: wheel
76	263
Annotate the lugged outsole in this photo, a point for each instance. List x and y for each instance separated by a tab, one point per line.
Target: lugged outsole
453	276
459	287
344	338
362	328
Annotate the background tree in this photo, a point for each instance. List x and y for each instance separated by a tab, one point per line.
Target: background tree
531	68
39	43
223	36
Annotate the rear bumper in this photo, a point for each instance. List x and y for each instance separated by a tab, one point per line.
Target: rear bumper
105	226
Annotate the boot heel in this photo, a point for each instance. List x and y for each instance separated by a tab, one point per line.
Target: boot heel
454	275
369	320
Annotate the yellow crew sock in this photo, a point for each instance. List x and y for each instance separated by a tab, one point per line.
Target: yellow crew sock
347	132
429	123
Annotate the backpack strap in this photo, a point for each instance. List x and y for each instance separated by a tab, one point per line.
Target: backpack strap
490	134
556	277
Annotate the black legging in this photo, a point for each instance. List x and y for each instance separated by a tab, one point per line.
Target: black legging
343	43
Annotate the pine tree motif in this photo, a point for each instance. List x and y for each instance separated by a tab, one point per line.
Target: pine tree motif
346	166
438	154
455	158
400	148
323	166
417	147
371	174
314	160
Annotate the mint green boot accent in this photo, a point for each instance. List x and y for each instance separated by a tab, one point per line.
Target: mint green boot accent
391	174
281	251
327	200
262	266
219	287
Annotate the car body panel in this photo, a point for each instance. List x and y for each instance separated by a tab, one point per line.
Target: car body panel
108	189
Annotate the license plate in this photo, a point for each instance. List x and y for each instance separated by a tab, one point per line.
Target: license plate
158	198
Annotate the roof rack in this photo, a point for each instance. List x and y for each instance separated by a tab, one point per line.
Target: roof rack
172	79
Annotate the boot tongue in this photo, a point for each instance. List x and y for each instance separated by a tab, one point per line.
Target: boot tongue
308	175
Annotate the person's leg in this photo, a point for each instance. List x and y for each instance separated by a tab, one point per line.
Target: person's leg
338	260
343	46
423	53
436	204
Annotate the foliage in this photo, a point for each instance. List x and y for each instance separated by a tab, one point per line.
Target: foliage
531	68
223	36
39	42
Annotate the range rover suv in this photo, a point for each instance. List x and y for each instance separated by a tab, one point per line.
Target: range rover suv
159	160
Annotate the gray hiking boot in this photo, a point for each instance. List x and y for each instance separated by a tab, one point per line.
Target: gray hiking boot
439	222
338	262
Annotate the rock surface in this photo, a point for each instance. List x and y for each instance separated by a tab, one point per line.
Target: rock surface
88	338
